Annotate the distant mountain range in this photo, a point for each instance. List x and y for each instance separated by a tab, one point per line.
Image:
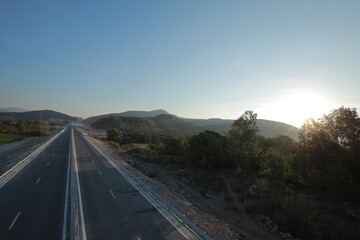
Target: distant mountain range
43	115
160	121
13	109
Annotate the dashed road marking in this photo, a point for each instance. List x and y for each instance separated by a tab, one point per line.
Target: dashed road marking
99	172
13	222
38	180
112	194
48	164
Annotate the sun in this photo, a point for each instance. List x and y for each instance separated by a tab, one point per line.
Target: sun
293	108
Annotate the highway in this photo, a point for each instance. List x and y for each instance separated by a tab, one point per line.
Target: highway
113	208
32	203
36	202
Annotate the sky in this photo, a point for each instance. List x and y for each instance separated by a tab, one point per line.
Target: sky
285	60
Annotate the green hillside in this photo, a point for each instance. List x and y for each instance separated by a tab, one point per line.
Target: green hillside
161	124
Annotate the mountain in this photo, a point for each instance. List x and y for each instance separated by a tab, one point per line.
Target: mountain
43	115
153	113
161	124
13	109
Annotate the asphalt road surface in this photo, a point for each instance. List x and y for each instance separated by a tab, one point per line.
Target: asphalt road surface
32	204
113	208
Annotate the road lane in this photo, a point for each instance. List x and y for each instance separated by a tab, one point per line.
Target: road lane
113	208
32	202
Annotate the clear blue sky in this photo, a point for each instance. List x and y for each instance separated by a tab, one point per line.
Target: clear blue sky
197	59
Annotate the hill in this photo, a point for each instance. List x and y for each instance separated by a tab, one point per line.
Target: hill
161	124
13	109
140	114
136	121
43	115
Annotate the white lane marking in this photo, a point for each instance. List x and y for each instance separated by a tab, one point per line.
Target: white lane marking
38	180
142	193
48	164
78	188
7	176
13	222
93	161
138	238
112	194
66	195
99	172
53	154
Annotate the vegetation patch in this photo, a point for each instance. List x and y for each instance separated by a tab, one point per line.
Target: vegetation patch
7	138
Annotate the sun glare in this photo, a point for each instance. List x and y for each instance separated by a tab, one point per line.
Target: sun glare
295	108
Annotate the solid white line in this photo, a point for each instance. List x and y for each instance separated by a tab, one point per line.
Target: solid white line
99	172
38	180
66	195
13	222
48	164
112	194
79	190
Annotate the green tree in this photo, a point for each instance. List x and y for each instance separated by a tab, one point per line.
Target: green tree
209	149
114	135
243	139
273	164
21	126
176	145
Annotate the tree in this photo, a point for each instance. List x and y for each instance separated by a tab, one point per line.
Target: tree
343	127
114	135
273	164
243	139
333	142
209	149
244	129
176	145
